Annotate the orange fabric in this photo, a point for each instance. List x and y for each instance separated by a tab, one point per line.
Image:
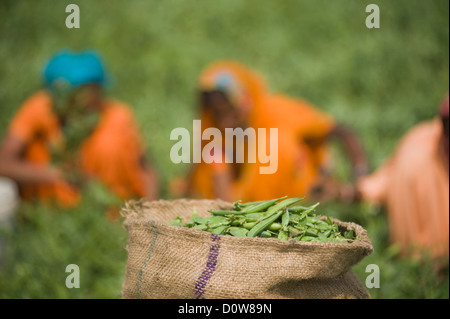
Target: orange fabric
112	153
414	186
36	124
203	187
298	164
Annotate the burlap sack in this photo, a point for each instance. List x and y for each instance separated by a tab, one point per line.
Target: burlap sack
172	262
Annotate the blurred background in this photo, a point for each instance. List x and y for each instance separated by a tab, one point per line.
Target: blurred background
380	82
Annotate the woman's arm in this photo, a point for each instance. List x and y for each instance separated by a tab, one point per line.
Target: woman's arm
13	166
353	148
222	182
328	189
151	181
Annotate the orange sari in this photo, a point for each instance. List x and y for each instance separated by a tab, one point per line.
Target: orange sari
299	164
112	153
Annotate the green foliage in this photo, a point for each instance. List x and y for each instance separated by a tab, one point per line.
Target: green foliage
400	277
379	82
45	239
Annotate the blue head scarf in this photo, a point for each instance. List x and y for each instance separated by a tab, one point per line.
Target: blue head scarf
68	70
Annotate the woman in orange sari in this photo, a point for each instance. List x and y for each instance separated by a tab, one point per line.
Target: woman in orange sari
70	129
413	184
232	96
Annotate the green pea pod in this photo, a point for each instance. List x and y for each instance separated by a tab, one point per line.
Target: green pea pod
249	225
310	209
322	226
294	217
283	235
237	205
266	234
275	226
311	233
191	222
216	221
298	209
202	220
237	222
302	223
253	217
214	225
250	203
303	209
263	225
247	204
261	206
219	219
177	221
294	231
201	227
238	231
219	230
312	219
225	212
349	234
280	206
327	233
329	221
285	220
322	223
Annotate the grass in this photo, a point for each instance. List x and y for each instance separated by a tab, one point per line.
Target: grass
380	82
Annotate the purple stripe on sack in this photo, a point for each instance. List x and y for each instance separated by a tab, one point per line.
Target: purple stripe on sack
200	284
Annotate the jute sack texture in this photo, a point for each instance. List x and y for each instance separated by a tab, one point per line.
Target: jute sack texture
173	262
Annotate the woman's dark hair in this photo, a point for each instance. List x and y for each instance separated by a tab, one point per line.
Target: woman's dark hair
445	124
207	98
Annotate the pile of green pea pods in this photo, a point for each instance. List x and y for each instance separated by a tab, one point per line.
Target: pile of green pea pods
275	218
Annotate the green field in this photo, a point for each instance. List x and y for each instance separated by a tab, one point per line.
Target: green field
380	82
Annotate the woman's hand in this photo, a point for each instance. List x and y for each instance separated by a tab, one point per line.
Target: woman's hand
329	190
